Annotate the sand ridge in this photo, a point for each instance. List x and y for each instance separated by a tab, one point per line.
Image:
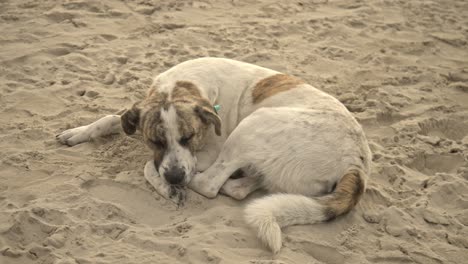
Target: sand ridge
401	67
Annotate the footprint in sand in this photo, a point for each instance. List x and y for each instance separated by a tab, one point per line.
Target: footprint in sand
90	6
322	253
135	201
450	196
444	128
30	233
433	163
58	16
58	51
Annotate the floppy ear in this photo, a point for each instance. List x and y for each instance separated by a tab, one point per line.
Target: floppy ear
209	116
130	120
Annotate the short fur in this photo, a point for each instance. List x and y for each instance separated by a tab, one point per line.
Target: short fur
346	195
288	137
272	85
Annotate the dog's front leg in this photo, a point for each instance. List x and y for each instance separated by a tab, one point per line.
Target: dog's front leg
206	158
208	155
107	125
240	188
209	182
177	194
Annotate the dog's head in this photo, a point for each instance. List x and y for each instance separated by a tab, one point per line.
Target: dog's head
174	126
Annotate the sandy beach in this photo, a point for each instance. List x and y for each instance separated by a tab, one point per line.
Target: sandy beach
401	67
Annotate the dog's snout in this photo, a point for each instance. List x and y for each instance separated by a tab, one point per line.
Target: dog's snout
156	164
175	175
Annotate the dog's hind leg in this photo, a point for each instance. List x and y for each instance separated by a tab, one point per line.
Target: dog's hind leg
239	151
241	187
105	126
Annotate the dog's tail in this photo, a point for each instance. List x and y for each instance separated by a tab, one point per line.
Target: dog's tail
269	214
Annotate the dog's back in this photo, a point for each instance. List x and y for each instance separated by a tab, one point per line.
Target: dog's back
244	87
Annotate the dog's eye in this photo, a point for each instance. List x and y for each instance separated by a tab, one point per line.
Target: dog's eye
185	140
158	143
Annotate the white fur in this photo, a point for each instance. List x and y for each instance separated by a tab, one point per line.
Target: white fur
222	81
241	187
269	214
107	125
176	155
299	142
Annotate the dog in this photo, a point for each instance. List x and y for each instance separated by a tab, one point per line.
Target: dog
297	142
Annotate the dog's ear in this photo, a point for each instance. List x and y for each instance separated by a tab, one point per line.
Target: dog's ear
130	120
209	116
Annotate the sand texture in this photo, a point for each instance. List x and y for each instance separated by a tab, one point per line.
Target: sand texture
400	66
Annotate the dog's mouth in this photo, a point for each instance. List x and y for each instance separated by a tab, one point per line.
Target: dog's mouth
178	185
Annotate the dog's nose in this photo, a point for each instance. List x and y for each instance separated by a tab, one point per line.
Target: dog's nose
175	175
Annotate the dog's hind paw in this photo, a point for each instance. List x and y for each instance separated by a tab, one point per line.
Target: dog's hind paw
74	136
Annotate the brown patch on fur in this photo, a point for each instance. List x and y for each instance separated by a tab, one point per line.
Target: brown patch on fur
154	134
187	100
346	195
130	119
272	85
150	92
158	155
150	122
190	126
209	116
155	99
185	90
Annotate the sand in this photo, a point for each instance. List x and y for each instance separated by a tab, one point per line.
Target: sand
400	66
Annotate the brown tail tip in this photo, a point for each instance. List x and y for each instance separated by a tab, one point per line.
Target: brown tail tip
346	195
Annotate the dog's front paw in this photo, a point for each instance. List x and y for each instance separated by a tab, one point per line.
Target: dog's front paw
74	136
202	186
178	194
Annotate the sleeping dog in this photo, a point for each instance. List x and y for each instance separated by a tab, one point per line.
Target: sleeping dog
286	136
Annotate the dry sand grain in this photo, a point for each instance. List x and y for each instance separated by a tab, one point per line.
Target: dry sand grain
400	66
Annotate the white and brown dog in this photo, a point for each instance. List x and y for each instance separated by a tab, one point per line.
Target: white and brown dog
285	135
